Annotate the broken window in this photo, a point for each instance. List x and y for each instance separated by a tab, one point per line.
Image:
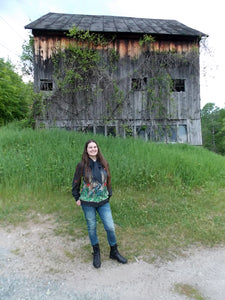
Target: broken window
129	130
46	85
178	85
138	84
88	129
140	131
111	130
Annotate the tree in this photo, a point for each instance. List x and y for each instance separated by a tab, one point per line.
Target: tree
213	128
220	135
15	95
27	57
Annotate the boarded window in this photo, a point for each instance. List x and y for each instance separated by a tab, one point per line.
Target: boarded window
178	85
46	85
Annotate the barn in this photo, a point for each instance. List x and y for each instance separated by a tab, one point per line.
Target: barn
141	78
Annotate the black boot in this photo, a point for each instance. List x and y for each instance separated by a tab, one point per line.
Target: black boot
114	254
96	256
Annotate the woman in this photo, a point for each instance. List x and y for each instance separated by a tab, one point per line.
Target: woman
93	172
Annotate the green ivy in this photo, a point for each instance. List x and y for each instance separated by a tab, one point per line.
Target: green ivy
147	40
83	70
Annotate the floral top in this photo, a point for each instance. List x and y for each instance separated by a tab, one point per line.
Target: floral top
96	192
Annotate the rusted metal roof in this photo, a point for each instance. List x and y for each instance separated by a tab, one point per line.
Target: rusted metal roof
100	23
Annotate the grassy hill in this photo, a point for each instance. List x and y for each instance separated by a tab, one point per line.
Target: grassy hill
165	196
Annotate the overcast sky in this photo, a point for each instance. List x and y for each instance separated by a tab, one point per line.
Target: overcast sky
205	16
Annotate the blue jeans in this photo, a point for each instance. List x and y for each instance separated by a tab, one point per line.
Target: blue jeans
105	214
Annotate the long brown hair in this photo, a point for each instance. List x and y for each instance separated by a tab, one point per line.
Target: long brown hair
100	158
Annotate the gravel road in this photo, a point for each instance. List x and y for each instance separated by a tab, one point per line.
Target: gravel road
37	264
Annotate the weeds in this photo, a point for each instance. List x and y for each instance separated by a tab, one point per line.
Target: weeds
189	291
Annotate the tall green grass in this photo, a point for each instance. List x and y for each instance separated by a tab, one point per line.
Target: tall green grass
165	196
46	159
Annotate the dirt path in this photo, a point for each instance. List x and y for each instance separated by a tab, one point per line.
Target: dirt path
37	264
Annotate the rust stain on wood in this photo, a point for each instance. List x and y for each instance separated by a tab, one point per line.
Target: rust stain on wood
45	46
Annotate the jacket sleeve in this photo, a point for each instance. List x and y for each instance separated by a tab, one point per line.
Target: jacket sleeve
77	182
110	190
109	187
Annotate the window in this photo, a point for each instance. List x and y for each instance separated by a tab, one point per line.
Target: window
138	84
111	130
140	131
46	85
162	133
172	134
128	130
182	134
88	129
178	85
100	130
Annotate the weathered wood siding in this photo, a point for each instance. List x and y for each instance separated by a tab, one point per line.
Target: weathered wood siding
183	112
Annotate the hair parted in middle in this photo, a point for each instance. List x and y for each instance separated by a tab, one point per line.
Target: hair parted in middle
100	158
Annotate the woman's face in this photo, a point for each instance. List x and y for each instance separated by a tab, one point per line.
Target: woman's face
92	150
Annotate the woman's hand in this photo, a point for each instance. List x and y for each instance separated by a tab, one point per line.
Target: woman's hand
78	202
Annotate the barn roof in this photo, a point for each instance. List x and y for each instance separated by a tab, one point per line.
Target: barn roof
101	23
